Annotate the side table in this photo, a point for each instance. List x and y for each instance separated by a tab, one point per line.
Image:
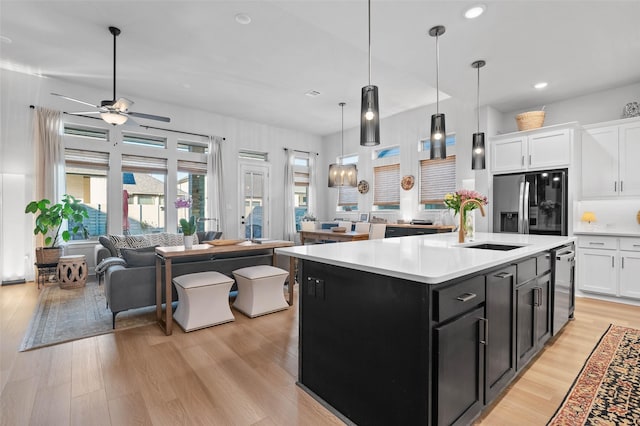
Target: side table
43	270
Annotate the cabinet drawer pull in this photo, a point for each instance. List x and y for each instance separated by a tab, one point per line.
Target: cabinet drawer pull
466	297
621	185
615	186
612	262
636	245
529	159
485	339
522	160
503	275
623	263
595	244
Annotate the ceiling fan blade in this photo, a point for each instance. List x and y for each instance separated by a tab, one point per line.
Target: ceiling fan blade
74	100
122	104
149	116
83	112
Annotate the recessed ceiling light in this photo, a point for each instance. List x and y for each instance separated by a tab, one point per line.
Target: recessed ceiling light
186	85
541	85
475	11
6	40
243	18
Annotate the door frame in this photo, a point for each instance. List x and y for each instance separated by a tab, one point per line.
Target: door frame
256	167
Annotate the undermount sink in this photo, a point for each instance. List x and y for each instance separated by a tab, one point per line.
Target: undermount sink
492	246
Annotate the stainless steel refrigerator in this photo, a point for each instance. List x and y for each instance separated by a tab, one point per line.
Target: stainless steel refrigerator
531	203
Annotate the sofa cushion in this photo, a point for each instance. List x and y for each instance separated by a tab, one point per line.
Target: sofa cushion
106	242
135	257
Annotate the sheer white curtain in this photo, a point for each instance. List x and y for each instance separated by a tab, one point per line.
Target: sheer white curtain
289	197
313	186
215	183
47	133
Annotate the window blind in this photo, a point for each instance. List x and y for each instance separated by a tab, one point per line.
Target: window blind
386	185
135	163
194	167
437	177
90	159
301	179
347	196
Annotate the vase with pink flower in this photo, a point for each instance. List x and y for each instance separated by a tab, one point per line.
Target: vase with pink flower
454	200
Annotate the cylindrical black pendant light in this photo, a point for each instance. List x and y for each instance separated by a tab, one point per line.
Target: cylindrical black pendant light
438	139
369	111
477	155
342	174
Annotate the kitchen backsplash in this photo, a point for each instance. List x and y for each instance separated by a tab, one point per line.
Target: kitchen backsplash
610	214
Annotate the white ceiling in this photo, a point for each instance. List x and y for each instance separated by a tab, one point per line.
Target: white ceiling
194	53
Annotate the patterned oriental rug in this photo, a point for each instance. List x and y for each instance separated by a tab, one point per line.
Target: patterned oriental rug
607	390
65	315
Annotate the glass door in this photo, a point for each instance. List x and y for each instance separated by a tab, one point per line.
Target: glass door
254	199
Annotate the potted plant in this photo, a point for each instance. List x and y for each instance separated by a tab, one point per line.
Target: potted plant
49	220
188	229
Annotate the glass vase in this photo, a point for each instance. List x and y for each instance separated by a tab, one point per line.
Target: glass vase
469	228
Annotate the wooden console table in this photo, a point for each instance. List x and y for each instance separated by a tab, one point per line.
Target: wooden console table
328	235
167	254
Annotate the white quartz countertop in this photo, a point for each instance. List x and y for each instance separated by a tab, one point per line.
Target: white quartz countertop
611	232
430	259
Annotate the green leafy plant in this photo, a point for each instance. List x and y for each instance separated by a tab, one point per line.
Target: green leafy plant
188	227
49	219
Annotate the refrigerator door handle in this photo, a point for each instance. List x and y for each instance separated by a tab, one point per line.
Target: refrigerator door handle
521	209
525	209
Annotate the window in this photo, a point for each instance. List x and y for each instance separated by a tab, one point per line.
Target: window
301	187
386	187
86	132
86	180
348	195
192	182
144	140
252	155
146	214
386	152
191	146
437	176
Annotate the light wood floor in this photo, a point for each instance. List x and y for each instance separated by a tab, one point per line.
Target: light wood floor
239	373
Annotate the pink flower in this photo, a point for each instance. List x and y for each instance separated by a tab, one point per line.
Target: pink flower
182	202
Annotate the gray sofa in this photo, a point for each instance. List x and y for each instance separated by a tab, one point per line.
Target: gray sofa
130	287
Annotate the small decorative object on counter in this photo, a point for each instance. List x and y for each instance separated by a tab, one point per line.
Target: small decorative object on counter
454	200
188	229
638	217
632	109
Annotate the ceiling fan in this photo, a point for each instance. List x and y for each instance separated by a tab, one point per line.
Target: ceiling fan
114	111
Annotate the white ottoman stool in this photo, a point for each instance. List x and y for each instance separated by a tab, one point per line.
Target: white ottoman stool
260	290
203	300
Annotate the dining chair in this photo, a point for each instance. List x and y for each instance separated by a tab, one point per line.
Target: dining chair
362	227
377	231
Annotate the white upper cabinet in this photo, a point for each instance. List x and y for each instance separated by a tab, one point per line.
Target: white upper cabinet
610	161
532	150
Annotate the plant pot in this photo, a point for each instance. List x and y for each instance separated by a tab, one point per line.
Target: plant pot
188	241
46	255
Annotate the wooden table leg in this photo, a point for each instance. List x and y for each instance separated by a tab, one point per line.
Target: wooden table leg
158	289
168	298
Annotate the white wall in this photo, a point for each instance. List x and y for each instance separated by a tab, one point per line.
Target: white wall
17	151
597	107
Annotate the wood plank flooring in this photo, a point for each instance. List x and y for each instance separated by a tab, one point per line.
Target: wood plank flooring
241	373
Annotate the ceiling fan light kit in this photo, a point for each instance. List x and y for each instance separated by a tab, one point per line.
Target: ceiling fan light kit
114	111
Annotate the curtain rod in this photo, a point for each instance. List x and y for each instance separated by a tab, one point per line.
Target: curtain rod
144	126
304	152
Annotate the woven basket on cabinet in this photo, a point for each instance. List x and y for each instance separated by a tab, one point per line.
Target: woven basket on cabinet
530	120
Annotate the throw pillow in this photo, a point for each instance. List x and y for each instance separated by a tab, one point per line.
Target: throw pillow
128	241
105	263
106	242
136	257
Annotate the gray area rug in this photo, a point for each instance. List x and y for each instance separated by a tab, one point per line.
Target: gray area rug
66	315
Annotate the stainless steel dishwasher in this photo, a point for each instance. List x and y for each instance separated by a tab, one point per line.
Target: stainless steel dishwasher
564	294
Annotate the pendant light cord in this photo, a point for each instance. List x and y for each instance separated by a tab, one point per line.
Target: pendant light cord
437	75
369	42
114	67
478	103
342	104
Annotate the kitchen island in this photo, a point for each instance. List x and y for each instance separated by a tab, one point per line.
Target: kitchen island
421	329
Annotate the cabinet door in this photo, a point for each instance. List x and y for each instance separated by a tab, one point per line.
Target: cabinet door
459	369
526	299
501	316
629	273
597	271
547	150
543	310
600	162
629	145
508	155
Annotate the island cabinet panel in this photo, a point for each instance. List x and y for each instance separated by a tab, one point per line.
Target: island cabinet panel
459	365
501	317
364	344
533	317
